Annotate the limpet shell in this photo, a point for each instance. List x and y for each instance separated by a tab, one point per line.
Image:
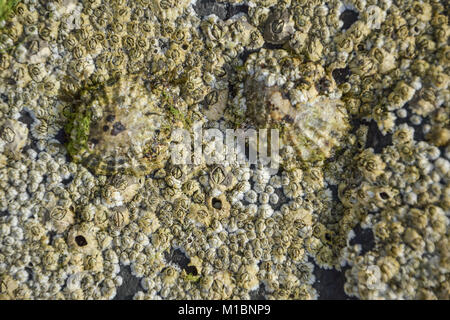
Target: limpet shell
278	27
14	135
313	128
118	128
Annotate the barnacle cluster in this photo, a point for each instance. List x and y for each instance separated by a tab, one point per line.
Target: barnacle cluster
91	92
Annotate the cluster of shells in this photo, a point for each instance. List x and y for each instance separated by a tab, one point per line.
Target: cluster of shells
90	92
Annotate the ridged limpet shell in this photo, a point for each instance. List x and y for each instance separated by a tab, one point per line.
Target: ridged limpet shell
118	128
314	128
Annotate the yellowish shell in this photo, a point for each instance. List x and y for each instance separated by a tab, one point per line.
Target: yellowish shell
118	129
313	128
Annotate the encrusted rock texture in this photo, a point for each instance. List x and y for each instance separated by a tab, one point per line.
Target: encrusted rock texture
94	95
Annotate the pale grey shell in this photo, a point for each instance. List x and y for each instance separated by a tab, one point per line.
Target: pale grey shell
278	27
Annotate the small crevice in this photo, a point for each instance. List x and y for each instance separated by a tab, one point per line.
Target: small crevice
363	237
272	46
207	7
258	294
341	75
180	259
130	285
25	117
4	213
61	136
348	17
233	10
329	284
51	237
246	53
67	181
4	98
375	139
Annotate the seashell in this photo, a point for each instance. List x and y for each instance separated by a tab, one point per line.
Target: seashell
7	287
81	238
215	103
118	128
14	134
121	189
119	217
314	128
61	218
278	27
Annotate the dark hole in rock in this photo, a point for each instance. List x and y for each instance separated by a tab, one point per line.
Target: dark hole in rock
67	181
130	284
234	10
4	98
334	191
364	237
4	213
288	119
323	85
11	81
191	270
330	284
245	54
118	127
81	241
341	75
384	195
179	258
105	128
216	203
184	46
272	46
361	47
258	294
51	237
207	7
349	17
61	136
375	139
25	117
110	118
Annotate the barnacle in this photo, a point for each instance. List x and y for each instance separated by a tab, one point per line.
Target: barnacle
61	218
278	27
358	91
13	135
81	238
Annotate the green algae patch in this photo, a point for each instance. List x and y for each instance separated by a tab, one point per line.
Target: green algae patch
78	129
6	8
116	127
192	278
